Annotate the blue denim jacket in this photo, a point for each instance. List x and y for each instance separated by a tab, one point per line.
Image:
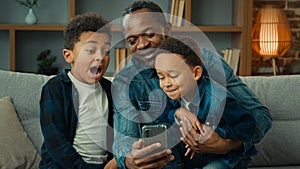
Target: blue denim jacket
215	106
138	100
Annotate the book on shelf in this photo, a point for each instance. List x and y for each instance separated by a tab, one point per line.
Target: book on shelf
117	59
172	11
123	54
121	58
177	12
180	12
232	57
235	59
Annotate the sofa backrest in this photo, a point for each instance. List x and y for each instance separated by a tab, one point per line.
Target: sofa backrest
281	94
25	91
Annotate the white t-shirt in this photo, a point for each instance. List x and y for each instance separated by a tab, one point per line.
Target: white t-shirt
90	137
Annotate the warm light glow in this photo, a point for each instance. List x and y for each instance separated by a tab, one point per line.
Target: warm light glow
268	32
271	34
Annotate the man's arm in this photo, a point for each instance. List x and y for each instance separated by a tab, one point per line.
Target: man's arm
127	150
217	69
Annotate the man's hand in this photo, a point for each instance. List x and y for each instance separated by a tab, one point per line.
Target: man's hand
138	158
207	141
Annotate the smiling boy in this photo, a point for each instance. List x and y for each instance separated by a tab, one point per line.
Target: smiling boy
205	104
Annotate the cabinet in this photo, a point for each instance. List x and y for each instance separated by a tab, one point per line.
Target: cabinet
18	41
229	21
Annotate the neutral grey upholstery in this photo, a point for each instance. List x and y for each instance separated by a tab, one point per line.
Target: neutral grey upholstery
25	91
281	94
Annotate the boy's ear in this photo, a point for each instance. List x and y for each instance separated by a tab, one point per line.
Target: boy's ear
68	55
197	72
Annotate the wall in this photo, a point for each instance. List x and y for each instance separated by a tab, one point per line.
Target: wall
29	43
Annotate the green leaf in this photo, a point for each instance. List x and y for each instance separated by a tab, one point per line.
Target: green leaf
28	3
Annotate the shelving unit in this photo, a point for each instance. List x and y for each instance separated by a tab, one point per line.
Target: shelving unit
13	28
238	31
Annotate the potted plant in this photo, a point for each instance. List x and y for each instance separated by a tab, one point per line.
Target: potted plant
30	17
45	62
28	3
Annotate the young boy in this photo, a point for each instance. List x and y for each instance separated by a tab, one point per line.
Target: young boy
179	68
76	106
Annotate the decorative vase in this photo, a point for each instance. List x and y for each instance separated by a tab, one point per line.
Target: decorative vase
31	17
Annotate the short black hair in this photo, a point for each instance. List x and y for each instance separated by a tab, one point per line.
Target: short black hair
84	23
138	5
182	45
150	6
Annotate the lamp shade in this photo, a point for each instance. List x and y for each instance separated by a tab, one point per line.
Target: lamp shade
271	35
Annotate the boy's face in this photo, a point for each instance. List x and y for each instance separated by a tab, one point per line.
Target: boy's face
90	57
176	78
143	33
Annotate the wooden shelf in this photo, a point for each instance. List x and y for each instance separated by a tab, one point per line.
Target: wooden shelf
5	27
239	29
208	29
38	27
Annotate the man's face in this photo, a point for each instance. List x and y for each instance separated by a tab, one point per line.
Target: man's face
143	33
90	57
175	76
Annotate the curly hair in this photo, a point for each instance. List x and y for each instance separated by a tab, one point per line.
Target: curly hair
185	46
84	23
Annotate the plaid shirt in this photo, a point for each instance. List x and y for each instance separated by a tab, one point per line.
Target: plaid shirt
58	120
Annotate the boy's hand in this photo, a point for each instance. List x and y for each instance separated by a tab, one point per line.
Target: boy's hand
191	117
183	113
208	141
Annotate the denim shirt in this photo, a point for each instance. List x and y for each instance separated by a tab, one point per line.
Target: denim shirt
138	99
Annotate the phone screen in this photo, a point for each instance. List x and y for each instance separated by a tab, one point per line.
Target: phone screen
155	134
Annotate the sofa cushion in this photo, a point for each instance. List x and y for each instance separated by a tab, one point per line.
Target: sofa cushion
281	94
17	151
25	90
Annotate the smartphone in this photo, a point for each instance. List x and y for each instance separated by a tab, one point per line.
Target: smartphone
154	134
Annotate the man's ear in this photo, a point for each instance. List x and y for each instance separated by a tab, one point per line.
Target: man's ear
197	72
168	29
68	55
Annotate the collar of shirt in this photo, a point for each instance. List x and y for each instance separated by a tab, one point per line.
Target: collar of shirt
64	76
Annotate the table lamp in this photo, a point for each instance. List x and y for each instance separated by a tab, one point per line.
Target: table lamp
271	35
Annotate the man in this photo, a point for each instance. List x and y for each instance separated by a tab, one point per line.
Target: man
139	100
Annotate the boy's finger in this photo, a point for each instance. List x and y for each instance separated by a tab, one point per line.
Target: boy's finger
187	151
192	155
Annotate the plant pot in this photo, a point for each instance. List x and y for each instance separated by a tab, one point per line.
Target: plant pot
30	17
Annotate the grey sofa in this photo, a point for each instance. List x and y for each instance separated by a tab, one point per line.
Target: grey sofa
279	149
